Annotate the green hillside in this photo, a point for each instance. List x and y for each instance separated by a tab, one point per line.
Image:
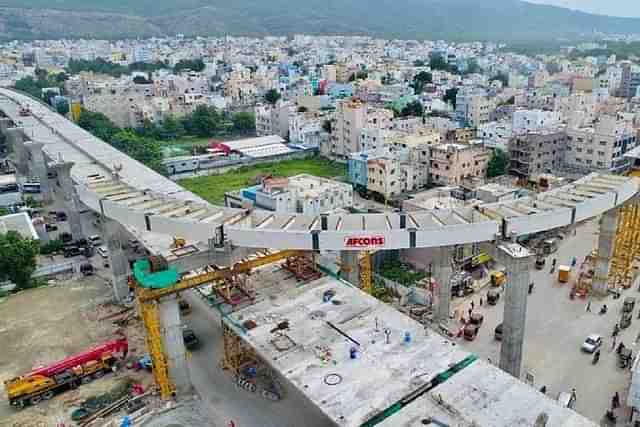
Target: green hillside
511	20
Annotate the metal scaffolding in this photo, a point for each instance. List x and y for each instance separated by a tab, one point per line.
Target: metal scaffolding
236	353
626	247
366	280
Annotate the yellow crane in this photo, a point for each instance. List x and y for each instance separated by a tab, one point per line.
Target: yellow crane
149	299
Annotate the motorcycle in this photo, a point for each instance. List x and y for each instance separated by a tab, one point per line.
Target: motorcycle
596	357
610	416
603	310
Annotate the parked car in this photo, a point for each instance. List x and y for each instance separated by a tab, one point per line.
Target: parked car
103	252
191	341
497	333
95	240
70	251
470	332
592	343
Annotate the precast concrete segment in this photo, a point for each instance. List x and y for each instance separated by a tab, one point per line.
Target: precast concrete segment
95	162
606	238
39	168
117	259
517	262
72	205
171	325
442	275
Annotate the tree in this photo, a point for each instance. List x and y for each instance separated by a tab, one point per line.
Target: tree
62	107
196	65
419	63
497	164
413	108
17	258
99	65
171	128
437	62
98	124
203	122
473	67
326	126
450	96
244	122
420	80
272	96
302	109
144	150
358	75
501	77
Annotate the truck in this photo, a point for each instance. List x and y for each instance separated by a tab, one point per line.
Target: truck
44	382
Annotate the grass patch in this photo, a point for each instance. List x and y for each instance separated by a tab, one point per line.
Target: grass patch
186	141
213	187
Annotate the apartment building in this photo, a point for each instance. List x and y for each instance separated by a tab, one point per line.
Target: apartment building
601	146
453	164
350	118
273	119
473	107
630	80
536	153
534	120
496	134
306	129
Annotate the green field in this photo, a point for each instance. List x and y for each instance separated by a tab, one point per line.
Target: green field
212	188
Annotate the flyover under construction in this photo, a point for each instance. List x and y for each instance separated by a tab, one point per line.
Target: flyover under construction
131	197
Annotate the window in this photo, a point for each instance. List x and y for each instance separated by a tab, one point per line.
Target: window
603	142
600	153
588	151
578	160
579	150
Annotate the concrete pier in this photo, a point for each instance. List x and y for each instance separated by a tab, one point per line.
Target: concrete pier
606	238
442	274
39	168
71	202
117	258
171	325
517	261
16	139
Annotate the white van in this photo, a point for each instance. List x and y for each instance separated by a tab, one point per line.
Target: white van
103	252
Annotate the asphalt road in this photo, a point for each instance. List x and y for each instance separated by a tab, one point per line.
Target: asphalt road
555	329
218	391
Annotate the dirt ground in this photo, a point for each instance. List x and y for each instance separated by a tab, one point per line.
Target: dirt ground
47	324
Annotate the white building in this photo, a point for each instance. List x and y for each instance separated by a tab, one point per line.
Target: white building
534	120
305	194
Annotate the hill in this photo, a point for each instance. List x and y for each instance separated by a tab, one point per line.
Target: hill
512	20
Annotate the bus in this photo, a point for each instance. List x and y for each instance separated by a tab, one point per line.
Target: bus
31	187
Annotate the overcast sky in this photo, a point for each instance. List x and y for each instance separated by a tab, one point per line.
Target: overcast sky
603	7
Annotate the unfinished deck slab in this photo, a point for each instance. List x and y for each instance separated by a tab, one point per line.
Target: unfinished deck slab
482	395
381	375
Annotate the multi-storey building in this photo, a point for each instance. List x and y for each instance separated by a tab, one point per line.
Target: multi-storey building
535	153
350	118
472	107
453	164
533	120
273	119
601	146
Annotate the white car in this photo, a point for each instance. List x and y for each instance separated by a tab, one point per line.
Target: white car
592	343
103	252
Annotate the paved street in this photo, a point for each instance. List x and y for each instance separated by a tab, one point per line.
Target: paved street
227	402
557	326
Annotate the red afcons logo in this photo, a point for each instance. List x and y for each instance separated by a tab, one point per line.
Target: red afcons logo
364	241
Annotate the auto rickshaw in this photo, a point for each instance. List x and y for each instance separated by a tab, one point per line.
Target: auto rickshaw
497	278
470	332
624	358
625	320
492	297
564	272
628	305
